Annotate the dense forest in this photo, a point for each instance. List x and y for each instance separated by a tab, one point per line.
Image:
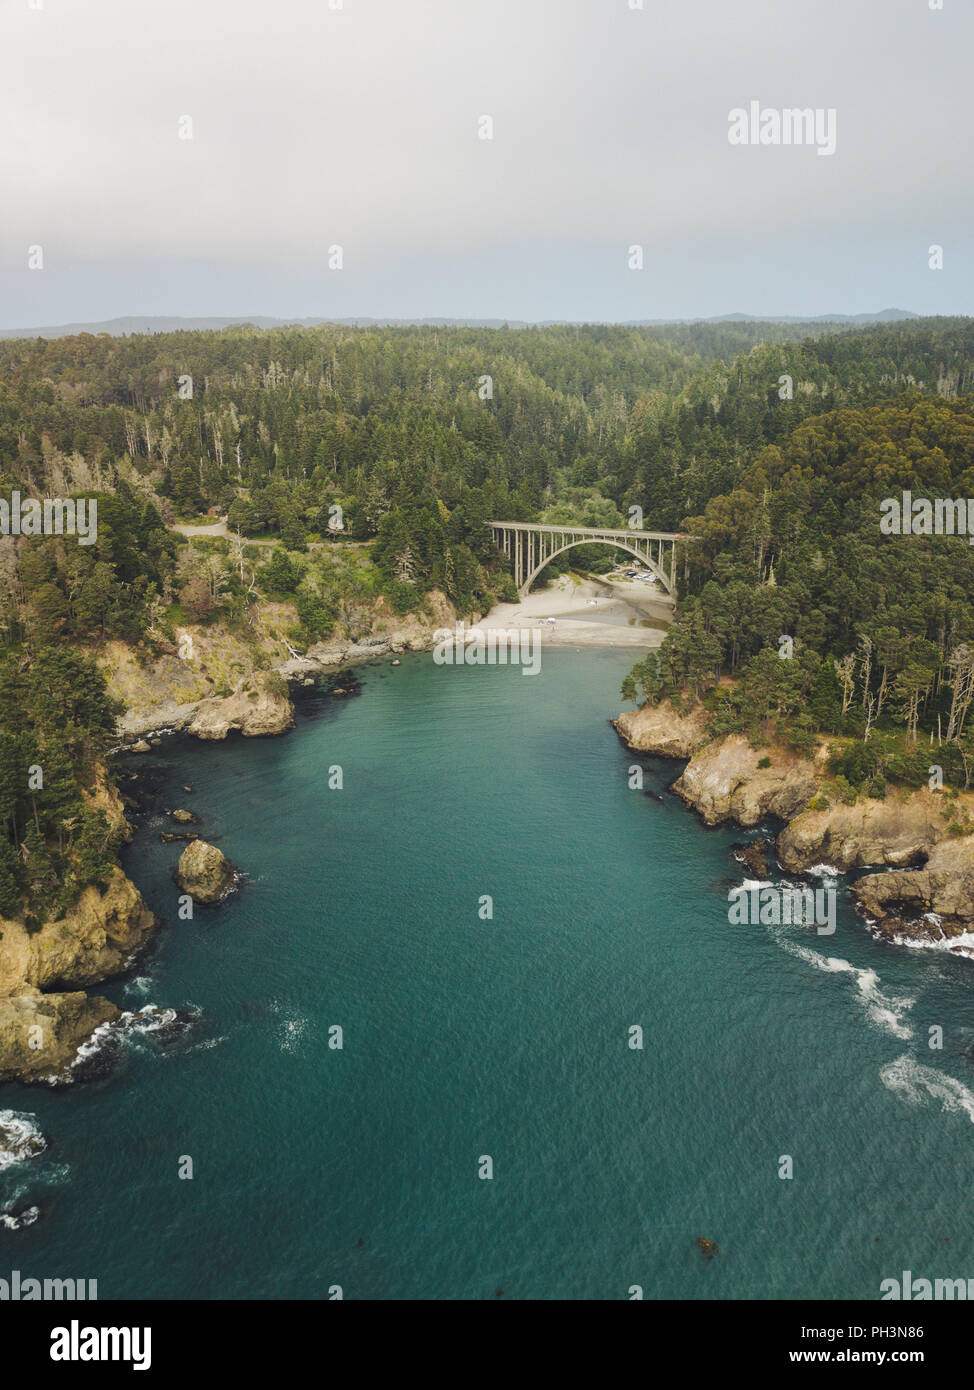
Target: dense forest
824	623
358	466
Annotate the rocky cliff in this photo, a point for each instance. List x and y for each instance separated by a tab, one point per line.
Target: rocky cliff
41	1034
898	831
724	782
661	730
97	939
932	893
934	902
215	682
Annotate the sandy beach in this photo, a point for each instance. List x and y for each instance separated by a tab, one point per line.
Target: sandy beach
588	613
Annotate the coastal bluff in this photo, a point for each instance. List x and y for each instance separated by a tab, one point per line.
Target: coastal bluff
215	682
45	1016
924	889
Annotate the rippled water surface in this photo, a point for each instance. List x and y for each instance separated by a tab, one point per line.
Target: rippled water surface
463	1037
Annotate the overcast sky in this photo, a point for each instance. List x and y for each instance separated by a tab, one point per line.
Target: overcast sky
359	126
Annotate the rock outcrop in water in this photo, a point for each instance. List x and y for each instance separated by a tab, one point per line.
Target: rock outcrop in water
40	1034
251	713
932	903
754	857
205	873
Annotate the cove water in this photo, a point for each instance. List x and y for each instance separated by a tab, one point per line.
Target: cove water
358	1168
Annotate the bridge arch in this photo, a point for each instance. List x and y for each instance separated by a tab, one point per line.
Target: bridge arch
530	546
525	588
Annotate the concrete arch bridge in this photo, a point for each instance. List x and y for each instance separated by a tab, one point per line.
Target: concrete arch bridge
530	546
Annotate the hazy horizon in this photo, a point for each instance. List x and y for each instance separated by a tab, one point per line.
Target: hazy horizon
361	127
158	323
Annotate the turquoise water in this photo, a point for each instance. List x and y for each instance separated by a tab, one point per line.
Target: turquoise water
464	1037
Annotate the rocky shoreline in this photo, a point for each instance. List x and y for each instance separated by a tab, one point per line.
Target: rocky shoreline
46	1017
262	706
922	887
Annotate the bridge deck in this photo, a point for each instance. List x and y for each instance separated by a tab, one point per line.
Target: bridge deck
596	531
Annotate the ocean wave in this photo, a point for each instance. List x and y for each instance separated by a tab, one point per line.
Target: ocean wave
20	1138
960	945
914	1083
99	1054
823	871
14	1220
885	1011
140	985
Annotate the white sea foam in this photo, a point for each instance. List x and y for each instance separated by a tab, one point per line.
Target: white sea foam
20	1138
293	1028
140	1022
940	943
10	1221
914	1083
140	985
823	871
885	1011
294	1031
149	1019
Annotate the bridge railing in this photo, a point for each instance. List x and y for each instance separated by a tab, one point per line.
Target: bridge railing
625	535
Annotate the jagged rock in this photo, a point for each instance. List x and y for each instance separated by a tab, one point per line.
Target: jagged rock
140	747
899	902
754	857
40	1034
723	782
184	817
169	837
254	714
205	872
660	730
